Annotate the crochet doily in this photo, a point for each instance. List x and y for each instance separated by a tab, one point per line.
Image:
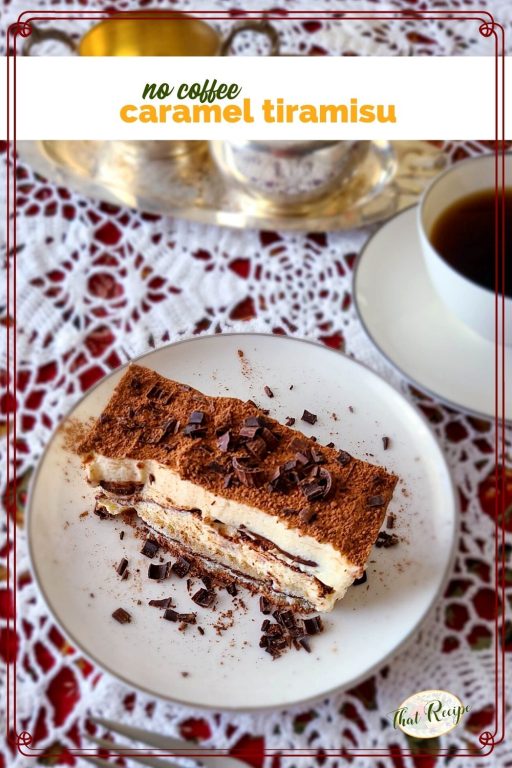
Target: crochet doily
98	285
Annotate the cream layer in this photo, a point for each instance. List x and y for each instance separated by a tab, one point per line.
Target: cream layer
170	492
222	545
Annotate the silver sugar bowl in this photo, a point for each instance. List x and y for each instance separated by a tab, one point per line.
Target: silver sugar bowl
288	174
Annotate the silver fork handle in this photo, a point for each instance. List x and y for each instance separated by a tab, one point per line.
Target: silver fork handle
168	744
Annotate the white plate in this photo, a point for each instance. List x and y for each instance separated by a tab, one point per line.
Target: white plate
73	557
415	331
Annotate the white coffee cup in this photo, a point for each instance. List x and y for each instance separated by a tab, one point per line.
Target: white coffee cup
472	303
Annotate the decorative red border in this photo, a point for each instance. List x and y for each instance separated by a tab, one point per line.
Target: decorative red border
488	27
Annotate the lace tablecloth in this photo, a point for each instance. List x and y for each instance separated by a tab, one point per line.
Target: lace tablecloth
98	285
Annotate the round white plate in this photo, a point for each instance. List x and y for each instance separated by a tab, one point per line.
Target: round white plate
415	331
73	557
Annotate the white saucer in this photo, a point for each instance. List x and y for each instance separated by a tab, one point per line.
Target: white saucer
74	554
415	331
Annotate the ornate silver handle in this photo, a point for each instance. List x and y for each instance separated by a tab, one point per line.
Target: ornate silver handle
51	33
262	27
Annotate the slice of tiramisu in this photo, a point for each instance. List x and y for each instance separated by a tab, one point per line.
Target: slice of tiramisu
234	491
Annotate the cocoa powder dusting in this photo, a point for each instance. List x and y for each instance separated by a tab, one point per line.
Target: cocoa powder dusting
74	432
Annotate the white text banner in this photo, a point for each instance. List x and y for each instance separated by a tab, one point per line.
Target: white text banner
265	97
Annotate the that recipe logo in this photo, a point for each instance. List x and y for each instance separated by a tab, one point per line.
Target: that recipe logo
428	714
212	102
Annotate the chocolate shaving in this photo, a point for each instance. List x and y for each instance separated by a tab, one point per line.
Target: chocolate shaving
181	567
159	571
343	458
250	432
171	427
385	443
165	602
278	480
362	580
390	521
268	391
194	430
274	652
265	605
304	643
287	475
276	645
375	501
257	448
288	632
206	581
313	625
150	548
290	421
187	618
317	457
204	598
100	511
302	458
386	540
254	421
196	417
121	568
319	487
158	392
122	616
130	426
308	417
287	619
249	475
270	438
225	442
295	631
232	589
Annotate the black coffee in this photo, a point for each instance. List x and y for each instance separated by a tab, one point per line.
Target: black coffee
464	235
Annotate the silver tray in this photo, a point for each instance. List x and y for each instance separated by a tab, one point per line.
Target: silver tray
189	186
